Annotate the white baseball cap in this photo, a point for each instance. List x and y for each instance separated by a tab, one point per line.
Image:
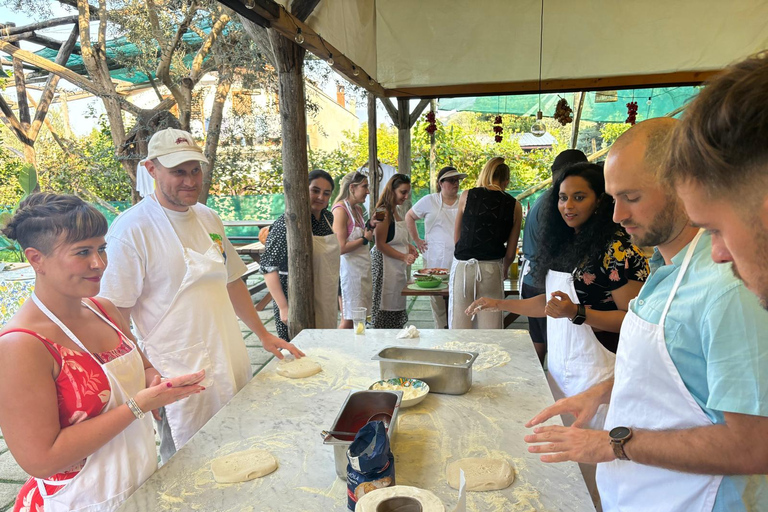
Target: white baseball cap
174	147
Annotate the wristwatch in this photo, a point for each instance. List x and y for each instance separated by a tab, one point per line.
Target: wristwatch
581	315
619	437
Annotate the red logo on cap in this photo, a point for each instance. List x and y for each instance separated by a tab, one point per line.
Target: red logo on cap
182	140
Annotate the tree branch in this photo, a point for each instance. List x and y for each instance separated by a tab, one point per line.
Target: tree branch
10	119
50	86
103	27
205	48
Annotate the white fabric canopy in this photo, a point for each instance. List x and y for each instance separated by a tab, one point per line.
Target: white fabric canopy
425	43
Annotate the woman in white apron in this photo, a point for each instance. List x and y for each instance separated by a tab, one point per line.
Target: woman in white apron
354	238
325	259
391	257
439	214
596	272
486	233
73	386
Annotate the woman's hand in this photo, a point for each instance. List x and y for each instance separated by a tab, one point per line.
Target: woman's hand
408	258
149	376
561	306
412	251
284	314
421	245
164	392
368	234
483	304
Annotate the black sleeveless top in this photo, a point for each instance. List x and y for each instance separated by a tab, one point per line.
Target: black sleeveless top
485	225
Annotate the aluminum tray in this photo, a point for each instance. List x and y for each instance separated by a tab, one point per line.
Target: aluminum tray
446	371
354	414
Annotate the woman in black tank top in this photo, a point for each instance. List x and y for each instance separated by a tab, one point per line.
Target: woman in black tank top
487	230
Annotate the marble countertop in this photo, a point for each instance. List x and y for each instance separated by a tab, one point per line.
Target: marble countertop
286	416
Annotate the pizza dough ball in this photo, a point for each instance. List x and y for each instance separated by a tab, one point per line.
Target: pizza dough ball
482	474
243	466
297	368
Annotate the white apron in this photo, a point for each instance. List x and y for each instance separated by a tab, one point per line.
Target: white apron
438	234
199	331
394	278
648	393
576	358
325	269
355	271
117	469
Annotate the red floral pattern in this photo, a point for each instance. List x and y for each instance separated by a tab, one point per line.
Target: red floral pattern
83	391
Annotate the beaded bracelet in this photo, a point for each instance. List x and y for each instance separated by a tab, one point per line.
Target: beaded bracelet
135	409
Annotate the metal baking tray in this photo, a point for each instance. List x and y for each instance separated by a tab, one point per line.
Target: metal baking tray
446	371
354	414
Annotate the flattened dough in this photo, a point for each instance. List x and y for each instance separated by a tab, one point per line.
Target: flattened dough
243	466
370	501
297	368
482	474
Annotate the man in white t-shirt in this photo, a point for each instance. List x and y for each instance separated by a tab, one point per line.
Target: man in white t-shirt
173	271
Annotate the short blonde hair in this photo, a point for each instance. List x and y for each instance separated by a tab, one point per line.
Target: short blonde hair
494	174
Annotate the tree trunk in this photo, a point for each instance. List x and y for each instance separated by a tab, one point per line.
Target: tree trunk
301	307
214	133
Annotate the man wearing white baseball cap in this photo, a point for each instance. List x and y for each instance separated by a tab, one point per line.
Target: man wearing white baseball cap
176	275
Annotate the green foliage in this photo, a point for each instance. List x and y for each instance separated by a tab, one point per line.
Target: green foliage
27	179
611	131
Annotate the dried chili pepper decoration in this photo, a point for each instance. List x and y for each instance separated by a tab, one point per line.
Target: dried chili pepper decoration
432	126
498	129
563	112
631	113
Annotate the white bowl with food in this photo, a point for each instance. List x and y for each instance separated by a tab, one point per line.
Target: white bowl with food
414	390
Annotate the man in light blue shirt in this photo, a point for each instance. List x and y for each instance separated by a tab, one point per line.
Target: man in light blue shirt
690	393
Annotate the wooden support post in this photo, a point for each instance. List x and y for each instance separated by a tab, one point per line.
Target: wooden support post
577	120
403	137
293	121
65	114
374	176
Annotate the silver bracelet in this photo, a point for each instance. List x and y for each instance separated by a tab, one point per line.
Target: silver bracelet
135	409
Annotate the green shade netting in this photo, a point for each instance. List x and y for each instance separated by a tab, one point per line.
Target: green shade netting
120	49
663	100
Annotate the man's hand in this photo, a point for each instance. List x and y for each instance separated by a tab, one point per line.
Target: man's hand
421	245
274	344
560	444
561	306
582	406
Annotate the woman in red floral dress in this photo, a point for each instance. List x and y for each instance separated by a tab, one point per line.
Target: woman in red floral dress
74	387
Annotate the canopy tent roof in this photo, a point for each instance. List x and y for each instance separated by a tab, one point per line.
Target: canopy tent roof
609	106
434	48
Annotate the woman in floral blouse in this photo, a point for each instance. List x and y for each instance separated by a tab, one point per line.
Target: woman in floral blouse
580	238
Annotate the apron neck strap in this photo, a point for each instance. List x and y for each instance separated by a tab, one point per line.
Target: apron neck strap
683	267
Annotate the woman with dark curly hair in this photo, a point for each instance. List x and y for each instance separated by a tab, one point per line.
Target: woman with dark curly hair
591	271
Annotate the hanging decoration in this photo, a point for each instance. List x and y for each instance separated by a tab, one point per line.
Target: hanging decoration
631	113
563	112
498	129
432	126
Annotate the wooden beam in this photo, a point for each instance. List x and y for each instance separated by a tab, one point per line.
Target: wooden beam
303	8
10	119
552	86
53	79
417	112
287	25
68	75
391	109
21	93
9	31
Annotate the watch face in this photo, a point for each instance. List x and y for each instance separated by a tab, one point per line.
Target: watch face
619	433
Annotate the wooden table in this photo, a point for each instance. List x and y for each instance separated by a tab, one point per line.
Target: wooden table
510	288
285	417
254	250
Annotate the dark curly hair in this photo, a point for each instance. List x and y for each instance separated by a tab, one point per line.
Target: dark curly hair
562	249
42	218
